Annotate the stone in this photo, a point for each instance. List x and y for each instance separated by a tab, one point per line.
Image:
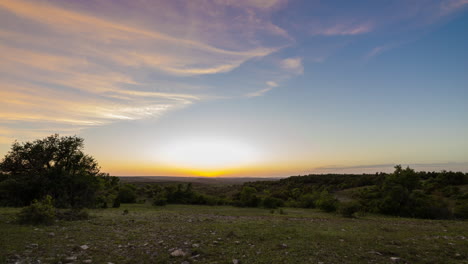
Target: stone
178	253
87	261
235	261
195	245
394	259
51	234
84	247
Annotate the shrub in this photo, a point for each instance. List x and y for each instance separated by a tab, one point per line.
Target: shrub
272	202
348	209
39	212
461	210
160	200
308	200
326	202
127	194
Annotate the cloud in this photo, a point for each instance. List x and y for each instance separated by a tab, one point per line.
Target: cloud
259	92
272	84
74	66
449	6
293	65
344	29
390	167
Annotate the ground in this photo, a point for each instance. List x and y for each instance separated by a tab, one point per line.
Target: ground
223	234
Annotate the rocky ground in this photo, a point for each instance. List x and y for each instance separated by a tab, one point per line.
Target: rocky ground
203	234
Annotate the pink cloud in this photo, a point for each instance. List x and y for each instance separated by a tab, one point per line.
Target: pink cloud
343	29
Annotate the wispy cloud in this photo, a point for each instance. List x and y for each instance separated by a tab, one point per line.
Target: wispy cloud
344	29
449	6
76	67
389	167
293	65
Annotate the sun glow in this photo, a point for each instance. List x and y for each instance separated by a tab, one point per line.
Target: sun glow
208	156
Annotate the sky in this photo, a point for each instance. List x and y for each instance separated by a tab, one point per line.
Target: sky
264	88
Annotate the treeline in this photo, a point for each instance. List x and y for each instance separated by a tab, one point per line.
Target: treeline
405	192
401	193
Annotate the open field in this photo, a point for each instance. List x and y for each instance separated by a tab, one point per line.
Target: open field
222	234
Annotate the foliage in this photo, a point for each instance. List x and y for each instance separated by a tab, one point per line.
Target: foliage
248	197
411	194
349	209
272	202
461	210
54	166
327	202
127	193
39	212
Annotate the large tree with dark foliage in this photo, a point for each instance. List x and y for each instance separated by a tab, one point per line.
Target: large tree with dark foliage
55	166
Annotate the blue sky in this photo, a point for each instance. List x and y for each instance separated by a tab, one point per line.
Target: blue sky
240	88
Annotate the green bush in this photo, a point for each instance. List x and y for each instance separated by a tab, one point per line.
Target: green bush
39	212
127	194
327	202
349	209
272	202
461	210
160	200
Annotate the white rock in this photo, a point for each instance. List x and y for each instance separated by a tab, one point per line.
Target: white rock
195	245
84	247
87	261
235	261
394	259
178	253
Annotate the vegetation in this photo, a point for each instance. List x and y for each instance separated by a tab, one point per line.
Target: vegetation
39	212
54	166
220	234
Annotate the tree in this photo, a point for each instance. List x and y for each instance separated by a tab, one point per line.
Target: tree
54	166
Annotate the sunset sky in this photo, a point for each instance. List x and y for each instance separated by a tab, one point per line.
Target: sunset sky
240	87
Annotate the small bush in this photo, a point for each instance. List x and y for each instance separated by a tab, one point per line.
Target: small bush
160	200
348	209
272	202
327	202
461	210
39	212
72	215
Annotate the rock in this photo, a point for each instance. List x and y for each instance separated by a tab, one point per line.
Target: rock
195	245
72	258
185	262
178	253
34	245
394	259
235	261
87	261
237	242
84	247
51	234
284	245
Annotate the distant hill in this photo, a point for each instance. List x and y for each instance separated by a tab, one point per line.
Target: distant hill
202	180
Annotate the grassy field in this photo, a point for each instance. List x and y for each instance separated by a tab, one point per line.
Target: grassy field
206	234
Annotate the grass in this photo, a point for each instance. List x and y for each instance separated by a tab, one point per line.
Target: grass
221	234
